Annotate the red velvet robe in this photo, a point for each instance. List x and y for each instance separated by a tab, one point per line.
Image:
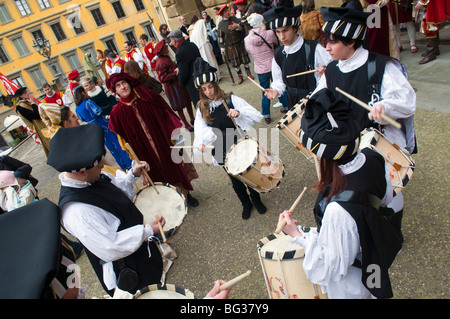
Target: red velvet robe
147	127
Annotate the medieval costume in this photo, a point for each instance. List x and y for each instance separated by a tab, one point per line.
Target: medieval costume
352	235
233	42
300	56
207	131
374	79
145	121
101	214
401	12
29	113
177	95
430	24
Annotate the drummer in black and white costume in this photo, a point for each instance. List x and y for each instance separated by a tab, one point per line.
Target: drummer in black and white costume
295	55
213	126
97	208
352	236
345	30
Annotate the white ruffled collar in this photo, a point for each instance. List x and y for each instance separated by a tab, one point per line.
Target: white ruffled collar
355	61
354	164
294	47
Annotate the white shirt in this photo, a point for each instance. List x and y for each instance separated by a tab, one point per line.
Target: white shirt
398	96
329	255
204	134
138	57
96	228
321	58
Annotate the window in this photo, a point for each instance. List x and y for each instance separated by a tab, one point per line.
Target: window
18	80
118	9
54	67
21	47
23	7
74	61
58	31
139	5
98	17
3	56
151	34
129	35
37	76
37	34
75	22
44	4
5	17
111	45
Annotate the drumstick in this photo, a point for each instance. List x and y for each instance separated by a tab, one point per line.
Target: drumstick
235	280
283	222
368	108
302	73
232	118
161	230
317	165
133	154
257	84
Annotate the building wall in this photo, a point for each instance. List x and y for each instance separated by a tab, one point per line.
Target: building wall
20	28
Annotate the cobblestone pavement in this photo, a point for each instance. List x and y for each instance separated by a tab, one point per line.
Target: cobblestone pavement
215	242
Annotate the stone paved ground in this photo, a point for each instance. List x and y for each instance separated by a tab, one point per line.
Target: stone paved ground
214	242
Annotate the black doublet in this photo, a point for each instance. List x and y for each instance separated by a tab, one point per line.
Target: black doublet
378	238
107	196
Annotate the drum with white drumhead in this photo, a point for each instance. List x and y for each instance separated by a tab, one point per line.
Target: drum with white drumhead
254	166
167	291
290	126
169	203
401	165
282	265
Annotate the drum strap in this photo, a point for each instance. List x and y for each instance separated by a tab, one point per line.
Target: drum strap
360	198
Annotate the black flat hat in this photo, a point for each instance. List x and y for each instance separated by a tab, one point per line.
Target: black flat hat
29	250
78	148
279	17
328	128
346	22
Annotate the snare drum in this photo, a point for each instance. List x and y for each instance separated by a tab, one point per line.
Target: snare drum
290	126
401	165
254	166
168	291
282	265
169	203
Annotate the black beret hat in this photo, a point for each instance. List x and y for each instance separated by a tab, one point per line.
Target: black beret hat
345	22
20	91
328	128
282	17
29	250
203	72
74	149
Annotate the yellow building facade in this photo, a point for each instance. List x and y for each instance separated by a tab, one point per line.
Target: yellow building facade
72	28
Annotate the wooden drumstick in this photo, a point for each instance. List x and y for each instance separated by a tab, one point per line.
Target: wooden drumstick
161	230
235	280
317	165
283	222
232	118
368	108
257	84
133	154
302	73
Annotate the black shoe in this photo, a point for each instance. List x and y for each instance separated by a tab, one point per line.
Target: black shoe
192	201
246	211
260	207
283	110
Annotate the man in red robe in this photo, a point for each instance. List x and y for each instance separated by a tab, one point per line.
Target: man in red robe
144	120
437	11
149	50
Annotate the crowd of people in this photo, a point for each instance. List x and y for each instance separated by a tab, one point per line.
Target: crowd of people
357	212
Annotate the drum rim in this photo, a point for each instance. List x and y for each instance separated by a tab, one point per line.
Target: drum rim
174	188
287	255
169	287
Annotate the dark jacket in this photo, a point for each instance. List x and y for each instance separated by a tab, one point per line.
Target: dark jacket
187	53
